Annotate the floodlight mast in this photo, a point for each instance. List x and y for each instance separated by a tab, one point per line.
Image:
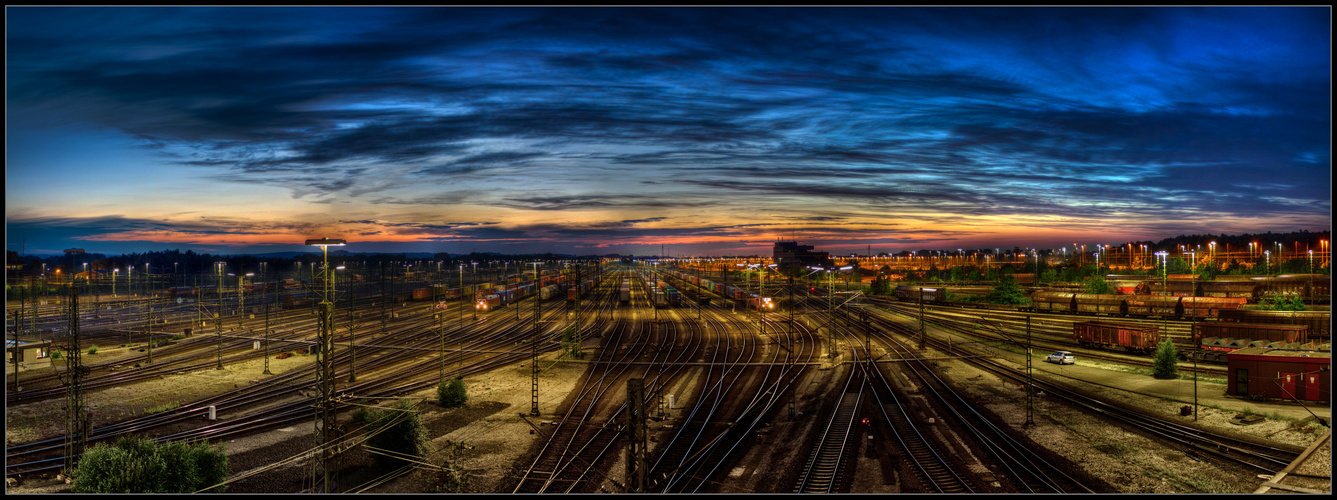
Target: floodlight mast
320	467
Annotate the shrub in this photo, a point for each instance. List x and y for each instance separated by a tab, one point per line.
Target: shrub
397	430
361	415
1165	363
55	354
138	465
452	394
92	350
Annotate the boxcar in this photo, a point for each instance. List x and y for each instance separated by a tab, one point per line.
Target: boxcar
1132	337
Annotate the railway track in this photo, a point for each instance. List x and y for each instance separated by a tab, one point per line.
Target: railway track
1249	453
825	464
1026	470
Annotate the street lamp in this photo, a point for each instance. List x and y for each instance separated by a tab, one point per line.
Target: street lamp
324	369
114	272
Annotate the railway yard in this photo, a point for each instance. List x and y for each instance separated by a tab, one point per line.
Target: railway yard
740	388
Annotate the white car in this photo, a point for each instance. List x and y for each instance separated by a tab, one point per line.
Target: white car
1061	357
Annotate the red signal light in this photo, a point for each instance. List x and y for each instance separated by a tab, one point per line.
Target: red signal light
865	420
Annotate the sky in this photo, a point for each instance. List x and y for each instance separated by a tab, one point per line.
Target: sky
706	131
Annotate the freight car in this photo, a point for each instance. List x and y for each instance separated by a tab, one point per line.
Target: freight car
624	292
1132	337
1217	338
934	295
1319	322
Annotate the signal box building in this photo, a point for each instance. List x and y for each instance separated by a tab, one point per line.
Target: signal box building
1280	374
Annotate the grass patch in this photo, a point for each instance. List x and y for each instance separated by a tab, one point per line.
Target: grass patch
1207	485
19	434
1277	416
161	408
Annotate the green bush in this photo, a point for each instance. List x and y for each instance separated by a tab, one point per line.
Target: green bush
1165	365
138	465
361	415
55	354
398	430
92	350
452	394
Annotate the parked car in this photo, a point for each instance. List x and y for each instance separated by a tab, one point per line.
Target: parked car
1061	357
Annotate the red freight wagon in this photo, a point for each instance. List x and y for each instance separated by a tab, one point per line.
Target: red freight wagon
1133	337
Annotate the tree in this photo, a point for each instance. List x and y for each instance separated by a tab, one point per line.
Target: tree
398	431
1166	363
1007	291
881	286
958	273
452	394
1098	285
1049	275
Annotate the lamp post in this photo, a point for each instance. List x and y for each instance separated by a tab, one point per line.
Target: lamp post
324	370
218	318
114	272
459	315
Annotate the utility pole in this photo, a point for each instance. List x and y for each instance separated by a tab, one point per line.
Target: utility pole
921	318
218	320
267	372
76	412
324	431
636	443
150	330
441	329
534	359
1193	335
352	333
1030	384
17	351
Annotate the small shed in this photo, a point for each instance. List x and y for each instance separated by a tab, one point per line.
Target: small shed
1282	374
27	351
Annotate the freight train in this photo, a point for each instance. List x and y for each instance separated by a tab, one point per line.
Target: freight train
1132	305
1312	288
